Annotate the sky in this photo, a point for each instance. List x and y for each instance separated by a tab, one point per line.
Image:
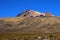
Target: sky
10	8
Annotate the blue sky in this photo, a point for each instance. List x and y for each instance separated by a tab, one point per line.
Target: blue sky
10	8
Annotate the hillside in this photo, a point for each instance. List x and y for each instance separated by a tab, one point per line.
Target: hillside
31	24
30	28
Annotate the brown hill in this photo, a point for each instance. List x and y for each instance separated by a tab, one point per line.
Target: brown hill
30	25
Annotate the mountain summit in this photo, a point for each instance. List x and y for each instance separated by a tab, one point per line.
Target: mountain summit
32	13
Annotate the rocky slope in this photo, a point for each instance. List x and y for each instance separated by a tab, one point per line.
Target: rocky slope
32	13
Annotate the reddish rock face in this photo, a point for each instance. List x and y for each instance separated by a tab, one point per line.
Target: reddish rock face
48	14
31	13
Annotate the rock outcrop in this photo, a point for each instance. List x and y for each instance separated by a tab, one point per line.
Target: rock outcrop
31	13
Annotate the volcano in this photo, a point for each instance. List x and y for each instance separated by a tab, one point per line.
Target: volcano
32	13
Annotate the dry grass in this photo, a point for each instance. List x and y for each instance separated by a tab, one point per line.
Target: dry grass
23	36
29	28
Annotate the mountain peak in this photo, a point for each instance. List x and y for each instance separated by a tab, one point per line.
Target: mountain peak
32	13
